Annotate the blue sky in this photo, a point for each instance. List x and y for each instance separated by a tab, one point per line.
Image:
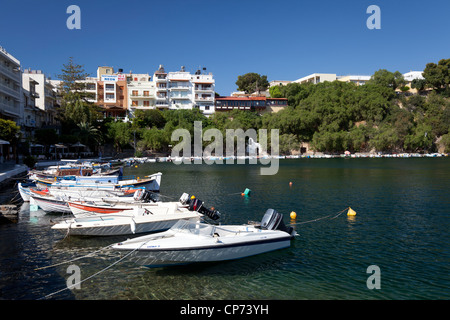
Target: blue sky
283	39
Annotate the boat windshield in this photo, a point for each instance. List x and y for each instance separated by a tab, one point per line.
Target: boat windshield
193	227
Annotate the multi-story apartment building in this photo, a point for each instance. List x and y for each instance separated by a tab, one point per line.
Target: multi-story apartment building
183	90
120	95
33	117
141	93
44	93
10	87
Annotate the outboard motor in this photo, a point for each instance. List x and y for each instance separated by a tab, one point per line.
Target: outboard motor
273	220
197	205
143	195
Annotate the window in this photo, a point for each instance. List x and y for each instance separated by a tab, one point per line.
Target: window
134	93
146	94
109	87
146	103
134	103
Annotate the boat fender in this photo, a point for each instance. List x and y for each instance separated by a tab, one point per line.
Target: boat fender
133	225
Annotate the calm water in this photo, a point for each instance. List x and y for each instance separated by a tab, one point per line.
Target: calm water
401	226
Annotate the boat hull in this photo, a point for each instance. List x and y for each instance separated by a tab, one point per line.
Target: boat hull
51	205
113	226
152	255
24	192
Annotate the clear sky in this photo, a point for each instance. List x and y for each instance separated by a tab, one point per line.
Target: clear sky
283	39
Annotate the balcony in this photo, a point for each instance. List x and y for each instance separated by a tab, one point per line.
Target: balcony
141	96
204	88
179	88
14	75
204	99
9	109
10	91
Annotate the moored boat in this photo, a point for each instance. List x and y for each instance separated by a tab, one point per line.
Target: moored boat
190	242
137	219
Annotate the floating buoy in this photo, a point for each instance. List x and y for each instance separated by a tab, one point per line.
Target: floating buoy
242	194
293	215
246	192
135	166
351	212
192	197
290	184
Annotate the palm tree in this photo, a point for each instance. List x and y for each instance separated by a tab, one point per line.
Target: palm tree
89	135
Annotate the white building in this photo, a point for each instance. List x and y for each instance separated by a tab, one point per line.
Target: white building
10	87
141	93
317	78
412	75
356	79
45	94
32	117
183	90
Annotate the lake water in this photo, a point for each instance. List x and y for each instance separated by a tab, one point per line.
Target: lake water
401	226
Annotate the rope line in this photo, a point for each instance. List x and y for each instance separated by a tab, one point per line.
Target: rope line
309	221
68	261
95	274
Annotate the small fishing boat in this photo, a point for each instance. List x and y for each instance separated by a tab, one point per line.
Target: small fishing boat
159	217
81	209
49	203
189	242
151	182
60	203
24	189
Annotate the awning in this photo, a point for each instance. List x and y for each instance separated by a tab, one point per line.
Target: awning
3	142
78	144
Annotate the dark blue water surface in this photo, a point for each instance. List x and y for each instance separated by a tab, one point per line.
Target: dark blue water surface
401	226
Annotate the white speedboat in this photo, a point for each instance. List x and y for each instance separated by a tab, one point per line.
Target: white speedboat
189	242
159	217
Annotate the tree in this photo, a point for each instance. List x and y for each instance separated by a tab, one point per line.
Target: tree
419	84
75	104
148	119
252	82
388	79
120	134
9	130
437	76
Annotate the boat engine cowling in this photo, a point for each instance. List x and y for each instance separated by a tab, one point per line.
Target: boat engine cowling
273	220
197	205
143	195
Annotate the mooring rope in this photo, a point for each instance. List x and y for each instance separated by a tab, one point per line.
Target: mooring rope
95	274
335	216
68	261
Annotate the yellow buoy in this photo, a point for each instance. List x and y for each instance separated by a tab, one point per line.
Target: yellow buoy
293	215
351	212
192	197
